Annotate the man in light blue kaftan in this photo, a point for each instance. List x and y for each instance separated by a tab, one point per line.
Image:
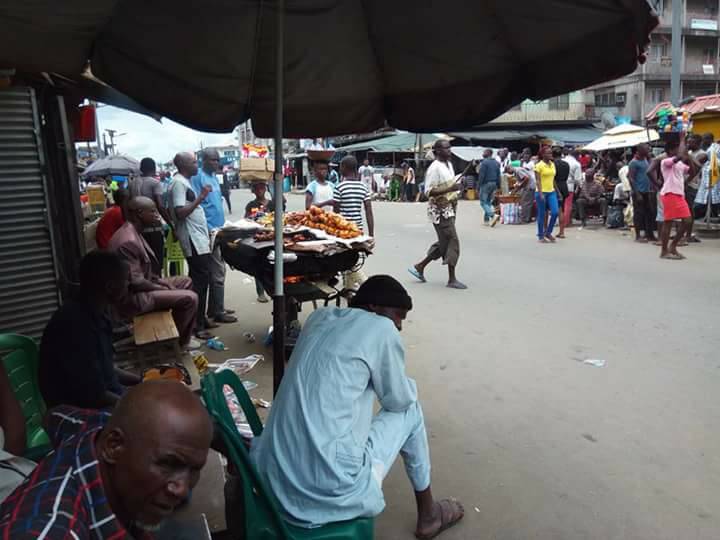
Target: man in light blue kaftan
323	451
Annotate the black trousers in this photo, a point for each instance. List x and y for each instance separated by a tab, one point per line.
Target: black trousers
199	266
156	240
226	194
644	212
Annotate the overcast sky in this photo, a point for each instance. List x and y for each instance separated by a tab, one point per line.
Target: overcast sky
146	137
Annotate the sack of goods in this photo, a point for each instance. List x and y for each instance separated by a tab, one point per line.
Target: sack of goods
510	213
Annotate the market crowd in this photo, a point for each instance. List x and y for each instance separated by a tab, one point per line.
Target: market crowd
560	186
125	453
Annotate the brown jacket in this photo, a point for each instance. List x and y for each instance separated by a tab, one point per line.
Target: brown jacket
133	248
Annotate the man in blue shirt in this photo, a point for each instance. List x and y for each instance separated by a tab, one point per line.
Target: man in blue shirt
488	180
644	202
215	215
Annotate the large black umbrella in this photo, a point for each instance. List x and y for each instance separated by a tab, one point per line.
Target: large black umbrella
350	65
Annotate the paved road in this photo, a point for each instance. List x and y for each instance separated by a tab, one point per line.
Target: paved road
534	442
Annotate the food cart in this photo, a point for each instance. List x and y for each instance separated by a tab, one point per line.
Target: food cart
318	246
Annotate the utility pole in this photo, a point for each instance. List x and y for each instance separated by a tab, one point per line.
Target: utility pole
676	53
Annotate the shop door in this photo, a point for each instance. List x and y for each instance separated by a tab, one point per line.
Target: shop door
28	275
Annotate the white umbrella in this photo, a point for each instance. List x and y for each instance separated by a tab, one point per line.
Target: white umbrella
623	136
113	165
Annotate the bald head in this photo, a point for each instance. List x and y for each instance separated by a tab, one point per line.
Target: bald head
186	164
152	450
210	160
157	400
142	212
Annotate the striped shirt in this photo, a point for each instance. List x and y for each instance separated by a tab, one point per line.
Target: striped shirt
351	195
64	497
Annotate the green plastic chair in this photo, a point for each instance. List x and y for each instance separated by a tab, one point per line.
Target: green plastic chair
20	359
263	520
173	254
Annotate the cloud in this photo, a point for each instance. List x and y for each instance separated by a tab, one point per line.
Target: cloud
145	137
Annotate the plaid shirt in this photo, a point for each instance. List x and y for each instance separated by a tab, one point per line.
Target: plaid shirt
64	499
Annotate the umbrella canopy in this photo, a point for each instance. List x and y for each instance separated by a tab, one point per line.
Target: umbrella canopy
349	66
113	165
623	136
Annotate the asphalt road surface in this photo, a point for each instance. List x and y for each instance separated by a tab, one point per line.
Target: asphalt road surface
535	442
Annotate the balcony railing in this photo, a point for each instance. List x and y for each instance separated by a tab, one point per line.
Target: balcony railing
547	112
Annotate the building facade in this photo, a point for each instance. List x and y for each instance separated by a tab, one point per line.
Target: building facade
637	94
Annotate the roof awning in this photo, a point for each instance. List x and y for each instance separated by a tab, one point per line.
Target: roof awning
469	153
402	142
568	135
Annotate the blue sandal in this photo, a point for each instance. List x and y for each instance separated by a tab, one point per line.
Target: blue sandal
414	272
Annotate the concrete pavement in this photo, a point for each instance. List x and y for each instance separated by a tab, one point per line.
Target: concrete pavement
535	443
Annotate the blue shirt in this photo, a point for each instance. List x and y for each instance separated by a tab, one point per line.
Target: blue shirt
213	203
638	173
489	172
314	450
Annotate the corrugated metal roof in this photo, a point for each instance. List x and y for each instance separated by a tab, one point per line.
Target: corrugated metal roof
402	142
569	135
700	104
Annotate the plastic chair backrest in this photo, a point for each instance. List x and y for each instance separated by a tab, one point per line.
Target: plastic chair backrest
173	254
20	359
262	517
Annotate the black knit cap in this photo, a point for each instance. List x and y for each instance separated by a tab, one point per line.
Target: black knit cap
382	291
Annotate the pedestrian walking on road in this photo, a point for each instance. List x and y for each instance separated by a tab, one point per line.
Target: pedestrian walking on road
489	181
674	169
442	187
546	195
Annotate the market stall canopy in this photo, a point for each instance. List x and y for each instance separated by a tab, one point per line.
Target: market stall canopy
402	142
113	165
469	153
623	136
566	136
349	66
698	105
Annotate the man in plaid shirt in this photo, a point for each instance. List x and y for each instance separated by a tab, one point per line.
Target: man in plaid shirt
113	477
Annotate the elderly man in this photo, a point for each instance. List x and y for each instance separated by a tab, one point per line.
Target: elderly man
147	291
116	476
191	230
215	215
147	185
323	451
76	352
442	189
591	195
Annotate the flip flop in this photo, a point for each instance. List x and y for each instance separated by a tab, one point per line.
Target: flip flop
457	285
672	257
445	525
417	275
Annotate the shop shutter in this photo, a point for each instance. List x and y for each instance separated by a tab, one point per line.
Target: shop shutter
28	280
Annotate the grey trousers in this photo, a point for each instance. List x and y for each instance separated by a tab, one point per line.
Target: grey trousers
448	244
216	297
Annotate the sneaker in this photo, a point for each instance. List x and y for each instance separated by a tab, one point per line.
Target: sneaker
193	345
495	220
263	299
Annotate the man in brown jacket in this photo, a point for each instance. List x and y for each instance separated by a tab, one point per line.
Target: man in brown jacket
148	292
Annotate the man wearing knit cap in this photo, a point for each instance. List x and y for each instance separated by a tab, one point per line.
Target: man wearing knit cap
323	451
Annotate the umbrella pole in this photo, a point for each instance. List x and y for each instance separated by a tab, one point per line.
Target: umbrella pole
279	298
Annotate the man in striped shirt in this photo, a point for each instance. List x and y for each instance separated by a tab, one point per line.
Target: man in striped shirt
351	195
114	477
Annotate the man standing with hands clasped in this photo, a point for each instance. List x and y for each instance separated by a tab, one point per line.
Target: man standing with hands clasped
215	215
442	187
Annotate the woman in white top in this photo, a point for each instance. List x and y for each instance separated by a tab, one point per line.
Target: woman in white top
320	192
409	182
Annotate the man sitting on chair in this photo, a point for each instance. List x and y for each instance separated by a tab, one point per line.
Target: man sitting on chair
147	291
323	452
